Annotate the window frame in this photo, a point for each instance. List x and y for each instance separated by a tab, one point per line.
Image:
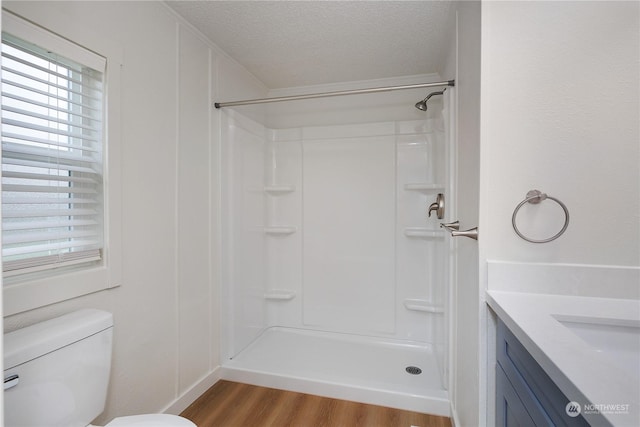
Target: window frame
47	287
54	192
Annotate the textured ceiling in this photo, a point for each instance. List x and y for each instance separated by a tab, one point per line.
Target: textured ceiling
302	43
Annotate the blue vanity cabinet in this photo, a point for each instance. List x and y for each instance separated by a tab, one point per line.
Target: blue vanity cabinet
511	411
526	395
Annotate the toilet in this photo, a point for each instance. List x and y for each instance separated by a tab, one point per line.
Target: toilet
57	374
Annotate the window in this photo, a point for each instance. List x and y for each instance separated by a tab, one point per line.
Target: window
52	160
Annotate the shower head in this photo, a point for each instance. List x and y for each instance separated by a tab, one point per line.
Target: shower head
422	105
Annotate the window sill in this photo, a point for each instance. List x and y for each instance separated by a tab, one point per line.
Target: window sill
33	294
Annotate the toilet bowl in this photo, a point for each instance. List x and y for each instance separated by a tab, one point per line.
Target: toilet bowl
151	420
57	374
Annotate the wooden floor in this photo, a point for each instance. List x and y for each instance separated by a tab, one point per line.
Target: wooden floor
229	404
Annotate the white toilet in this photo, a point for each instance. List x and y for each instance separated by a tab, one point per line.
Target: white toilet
57	374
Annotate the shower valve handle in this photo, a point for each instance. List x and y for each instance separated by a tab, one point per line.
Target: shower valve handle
451	226
437	206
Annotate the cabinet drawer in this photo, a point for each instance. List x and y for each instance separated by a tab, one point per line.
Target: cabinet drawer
543	400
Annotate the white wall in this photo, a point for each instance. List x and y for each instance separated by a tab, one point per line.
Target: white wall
560	108
463	62
166	311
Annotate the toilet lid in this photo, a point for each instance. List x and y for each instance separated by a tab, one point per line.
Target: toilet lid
151	420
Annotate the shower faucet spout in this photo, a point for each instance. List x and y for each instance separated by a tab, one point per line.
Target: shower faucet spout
471	233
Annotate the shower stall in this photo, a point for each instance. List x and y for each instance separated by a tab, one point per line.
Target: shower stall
335	281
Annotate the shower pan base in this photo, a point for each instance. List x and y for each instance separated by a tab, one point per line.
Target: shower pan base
343	366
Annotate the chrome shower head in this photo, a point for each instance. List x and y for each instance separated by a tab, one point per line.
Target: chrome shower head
422	105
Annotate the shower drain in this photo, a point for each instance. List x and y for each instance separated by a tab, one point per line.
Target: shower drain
413	370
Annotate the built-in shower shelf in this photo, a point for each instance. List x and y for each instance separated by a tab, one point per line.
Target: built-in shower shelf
279	295
423	232
280	230
423	186
279	189
423	305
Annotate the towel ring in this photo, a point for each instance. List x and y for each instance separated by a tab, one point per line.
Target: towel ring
535	197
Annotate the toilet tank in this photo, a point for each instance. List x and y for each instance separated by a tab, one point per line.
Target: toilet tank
62	367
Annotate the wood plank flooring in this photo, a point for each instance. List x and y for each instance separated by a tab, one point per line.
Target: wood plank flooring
230	404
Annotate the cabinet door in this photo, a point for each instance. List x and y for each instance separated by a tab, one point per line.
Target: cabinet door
543	401
510	411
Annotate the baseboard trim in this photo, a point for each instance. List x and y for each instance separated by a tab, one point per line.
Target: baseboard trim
455	422
196	390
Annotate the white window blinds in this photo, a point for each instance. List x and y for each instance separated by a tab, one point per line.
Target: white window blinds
52	162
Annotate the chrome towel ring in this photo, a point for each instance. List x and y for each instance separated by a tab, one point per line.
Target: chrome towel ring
535	197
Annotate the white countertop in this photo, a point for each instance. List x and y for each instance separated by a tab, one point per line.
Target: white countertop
582	373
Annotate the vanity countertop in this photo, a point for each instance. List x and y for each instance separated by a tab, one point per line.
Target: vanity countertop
586	374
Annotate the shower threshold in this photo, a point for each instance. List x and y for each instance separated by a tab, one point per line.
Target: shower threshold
343	366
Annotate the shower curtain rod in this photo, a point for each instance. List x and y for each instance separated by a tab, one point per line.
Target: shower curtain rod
328	94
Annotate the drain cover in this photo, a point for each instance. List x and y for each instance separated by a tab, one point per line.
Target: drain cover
413	370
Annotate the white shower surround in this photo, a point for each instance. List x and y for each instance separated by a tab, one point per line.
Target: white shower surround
326	238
